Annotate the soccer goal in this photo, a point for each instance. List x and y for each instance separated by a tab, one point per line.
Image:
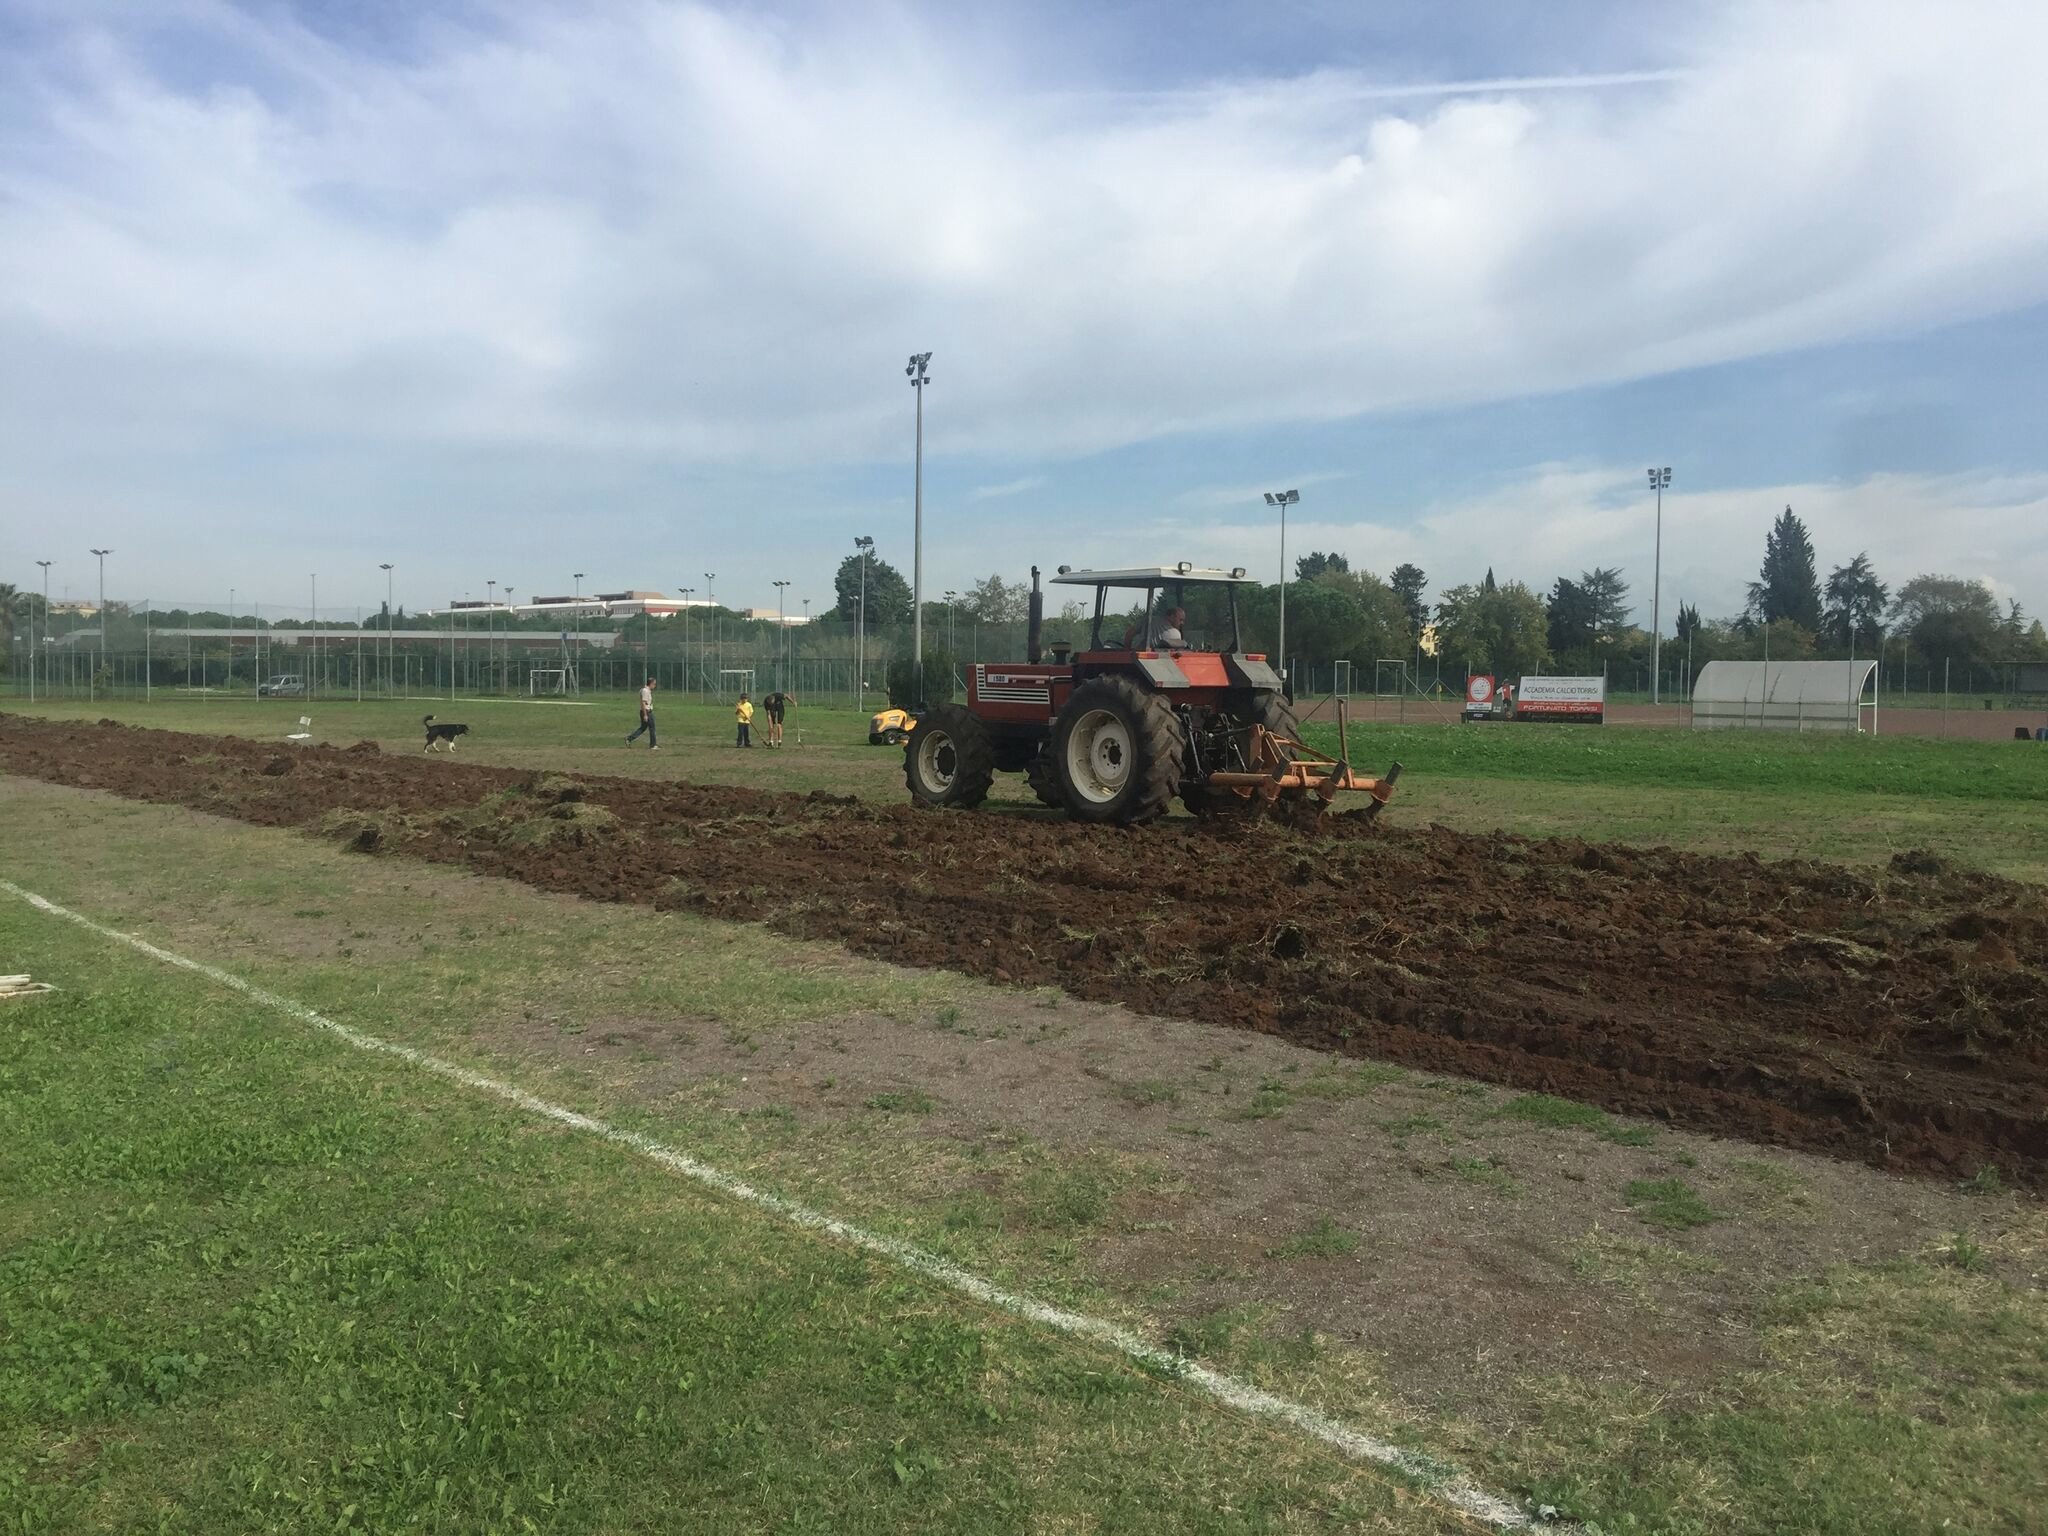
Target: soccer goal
734	681
1340	685
549	680
1390	677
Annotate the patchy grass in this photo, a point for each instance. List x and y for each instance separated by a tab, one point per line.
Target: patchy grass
1632	1265
903	1101
1669	1203
1323	1240
1488	1173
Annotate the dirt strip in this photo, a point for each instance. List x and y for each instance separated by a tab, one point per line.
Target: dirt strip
1900	1017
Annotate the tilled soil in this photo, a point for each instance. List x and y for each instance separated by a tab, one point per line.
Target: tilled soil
1899	1017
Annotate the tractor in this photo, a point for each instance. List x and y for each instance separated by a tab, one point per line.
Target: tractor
1114	733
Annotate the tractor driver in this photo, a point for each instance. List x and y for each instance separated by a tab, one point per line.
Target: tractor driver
1171	634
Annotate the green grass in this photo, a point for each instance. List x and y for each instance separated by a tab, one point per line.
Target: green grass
1669	1203
252	1280
1742	761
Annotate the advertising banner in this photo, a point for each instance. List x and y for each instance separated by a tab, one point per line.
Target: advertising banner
1562	698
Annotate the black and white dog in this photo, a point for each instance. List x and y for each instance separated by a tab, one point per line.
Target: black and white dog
440	733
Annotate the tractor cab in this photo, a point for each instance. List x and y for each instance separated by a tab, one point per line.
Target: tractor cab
1174	582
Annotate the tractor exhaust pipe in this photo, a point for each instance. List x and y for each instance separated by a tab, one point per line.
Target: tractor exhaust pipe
1034	633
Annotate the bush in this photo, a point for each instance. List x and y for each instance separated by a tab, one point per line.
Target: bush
904	692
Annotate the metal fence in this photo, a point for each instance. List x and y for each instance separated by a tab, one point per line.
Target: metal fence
476	655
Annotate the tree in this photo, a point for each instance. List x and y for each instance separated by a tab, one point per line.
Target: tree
1606	600
1489	585
888	593
995	601
1501	630
1568	617
1689	625
1313	564
1855	604
1948	616
1786	587
1408	583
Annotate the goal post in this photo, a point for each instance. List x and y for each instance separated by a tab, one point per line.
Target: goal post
734	681
1340	685
1390	677
542	681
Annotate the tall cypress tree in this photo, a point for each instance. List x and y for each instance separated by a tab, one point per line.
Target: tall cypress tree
1788	586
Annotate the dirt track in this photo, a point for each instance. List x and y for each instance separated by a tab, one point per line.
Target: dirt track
1898	1018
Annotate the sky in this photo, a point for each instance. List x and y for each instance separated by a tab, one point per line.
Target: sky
501	292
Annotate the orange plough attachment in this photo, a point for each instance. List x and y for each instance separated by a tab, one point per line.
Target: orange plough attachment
1283	770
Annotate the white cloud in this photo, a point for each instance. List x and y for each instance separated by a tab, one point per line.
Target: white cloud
1007	488
708	236
1557	520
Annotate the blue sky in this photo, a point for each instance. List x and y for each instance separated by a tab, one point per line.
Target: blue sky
503	292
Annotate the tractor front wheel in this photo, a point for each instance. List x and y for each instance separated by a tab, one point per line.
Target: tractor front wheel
948	760
1116	753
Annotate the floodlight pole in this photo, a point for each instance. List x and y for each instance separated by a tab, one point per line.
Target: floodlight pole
576	658
390	647
1283	500
860	666
918	379
1659	479
313	625
782	630
46	637
102	554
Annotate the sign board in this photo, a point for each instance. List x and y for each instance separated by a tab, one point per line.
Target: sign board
1479	691
1562	698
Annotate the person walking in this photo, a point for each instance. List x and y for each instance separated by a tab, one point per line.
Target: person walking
646	718
743	716
777	704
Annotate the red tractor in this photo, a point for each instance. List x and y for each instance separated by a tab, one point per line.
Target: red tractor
1115	732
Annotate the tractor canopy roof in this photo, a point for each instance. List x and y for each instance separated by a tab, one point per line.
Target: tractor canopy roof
1155	576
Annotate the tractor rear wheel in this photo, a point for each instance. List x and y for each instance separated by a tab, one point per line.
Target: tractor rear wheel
1116	753
948	760
1276	715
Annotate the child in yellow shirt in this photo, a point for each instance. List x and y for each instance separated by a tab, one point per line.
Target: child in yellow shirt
743	715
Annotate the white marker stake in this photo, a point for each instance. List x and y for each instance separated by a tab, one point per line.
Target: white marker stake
1446	1484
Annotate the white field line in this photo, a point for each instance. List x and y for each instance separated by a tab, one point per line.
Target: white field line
1447	1484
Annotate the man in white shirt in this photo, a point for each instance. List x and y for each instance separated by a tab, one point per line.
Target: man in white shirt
646	718
1172	634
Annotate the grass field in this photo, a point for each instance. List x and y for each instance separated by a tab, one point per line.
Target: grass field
253	1280
1853	799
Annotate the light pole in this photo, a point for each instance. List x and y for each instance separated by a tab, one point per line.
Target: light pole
782	633
952	622
916	369
710	600
390	648
313	627
1659	479
490	625
102	554
576	661
46	637
1283	500
860	666
686	591
229	680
